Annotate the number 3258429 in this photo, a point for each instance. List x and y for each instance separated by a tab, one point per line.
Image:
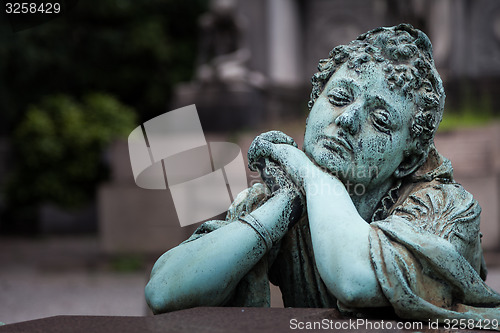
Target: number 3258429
32	8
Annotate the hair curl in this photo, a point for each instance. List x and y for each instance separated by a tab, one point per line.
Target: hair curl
406	54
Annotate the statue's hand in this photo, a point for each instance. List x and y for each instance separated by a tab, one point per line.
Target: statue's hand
280	149
277	180
260	159
259	149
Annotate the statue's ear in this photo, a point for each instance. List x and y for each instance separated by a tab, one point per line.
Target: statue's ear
409	165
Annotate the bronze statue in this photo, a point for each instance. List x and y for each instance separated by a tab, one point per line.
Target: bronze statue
366	218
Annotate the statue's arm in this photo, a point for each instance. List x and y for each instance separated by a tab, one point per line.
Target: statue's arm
205	271
341	245
339	234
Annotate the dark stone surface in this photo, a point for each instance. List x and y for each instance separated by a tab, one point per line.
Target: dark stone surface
206	319
80	324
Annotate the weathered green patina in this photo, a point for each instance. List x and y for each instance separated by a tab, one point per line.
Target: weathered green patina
366	218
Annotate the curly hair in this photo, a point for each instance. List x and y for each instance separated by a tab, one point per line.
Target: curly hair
406	54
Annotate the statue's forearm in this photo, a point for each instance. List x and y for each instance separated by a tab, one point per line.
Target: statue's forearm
340	241
204	272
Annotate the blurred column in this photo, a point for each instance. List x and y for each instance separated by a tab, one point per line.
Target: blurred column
440	31
285	42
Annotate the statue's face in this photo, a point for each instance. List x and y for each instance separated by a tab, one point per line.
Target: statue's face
358	129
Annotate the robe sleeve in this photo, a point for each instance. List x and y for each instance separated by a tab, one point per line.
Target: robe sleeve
427	257
253	289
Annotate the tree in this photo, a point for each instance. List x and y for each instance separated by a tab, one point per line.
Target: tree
135	50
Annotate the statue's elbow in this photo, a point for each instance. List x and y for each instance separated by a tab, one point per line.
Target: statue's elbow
354	293
351	298
152	298
162	297
156	298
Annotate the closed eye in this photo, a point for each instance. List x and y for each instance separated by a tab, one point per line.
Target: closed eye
340	96
381	120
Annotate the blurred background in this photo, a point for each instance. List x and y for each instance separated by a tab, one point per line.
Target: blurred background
77	236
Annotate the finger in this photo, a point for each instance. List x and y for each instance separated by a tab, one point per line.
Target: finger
273	176
258	149
278	137
275	137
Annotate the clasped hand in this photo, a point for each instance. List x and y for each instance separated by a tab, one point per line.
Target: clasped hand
280	163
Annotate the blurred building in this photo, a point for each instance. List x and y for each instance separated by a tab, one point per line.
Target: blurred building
288	37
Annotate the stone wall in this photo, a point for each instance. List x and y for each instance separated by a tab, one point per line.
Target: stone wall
475	156
132	219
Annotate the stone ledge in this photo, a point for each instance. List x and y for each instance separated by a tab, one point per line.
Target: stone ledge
208	319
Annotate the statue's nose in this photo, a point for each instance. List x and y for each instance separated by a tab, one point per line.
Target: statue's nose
349	119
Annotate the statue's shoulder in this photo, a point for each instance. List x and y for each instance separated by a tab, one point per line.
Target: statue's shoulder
442	207
432	198
447	210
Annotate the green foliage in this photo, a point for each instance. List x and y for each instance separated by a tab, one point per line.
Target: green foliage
60	144
135	50
472	112
127	263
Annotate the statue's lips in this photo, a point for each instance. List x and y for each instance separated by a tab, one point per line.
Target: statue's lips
335	142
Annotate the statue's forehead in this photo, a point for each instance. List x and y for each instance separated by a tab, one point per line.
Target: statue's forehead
370	75
370	81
